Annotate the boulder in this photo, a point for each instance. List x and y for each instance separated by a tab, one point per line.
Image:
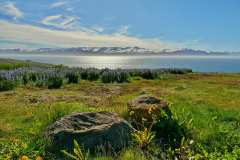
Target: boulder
147	107
94	131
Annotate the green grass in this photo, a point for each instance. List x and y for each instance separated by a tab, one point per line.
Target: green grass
210	101
8	64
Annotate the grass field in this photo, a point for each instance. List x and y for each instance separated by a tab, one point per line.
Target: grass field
210	101
13	64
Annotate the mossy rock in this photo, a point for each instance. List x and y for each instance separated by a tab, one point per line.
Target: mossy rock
93	131
146	108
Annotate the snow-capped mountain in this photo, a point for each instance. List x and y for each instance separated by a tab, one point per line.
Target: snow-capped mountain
115	51
95	50
185	51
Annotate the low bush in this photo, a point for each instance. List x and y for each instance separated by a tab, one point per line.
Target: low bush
143	138
2	78
55	82
148	74
29	77
162	129
93	75
121	76
108	77
84	74
33	77
25	78
6	85
73	77
170	131
180	71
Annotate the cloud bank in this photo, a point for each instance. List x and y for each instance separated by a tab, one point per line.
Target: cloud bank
58	4
23	33
60	21
10	9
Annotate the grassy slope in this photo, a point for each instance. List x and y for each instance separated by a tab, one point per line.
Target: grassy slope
211	100
12	64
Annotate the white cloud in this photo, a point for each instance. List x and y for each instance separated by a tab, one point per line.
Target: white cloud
37	35
123	30
58	4
98	29
60	21
10	9
69	23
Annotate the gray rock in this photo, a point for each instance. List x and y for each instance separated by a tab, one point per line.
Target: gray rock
93	131
147	107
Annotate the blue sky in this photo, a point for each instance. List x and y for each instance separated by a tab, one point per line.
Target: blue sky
155	24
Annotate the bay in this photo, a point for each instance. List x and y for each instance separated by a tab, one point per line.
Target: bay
227	64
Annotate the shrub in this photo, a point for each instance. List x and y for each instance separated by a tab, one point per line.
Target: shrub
148	74
73	77
164	125
33	77
143	138
25	78
55	82
111	76
170	130
93	75
29	77
108	77
6	85
84	74
2	78
121	76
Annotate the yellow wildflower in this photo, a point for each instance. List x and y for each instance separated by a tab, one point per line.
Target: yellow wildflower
151	109
24	158
131	113
39	158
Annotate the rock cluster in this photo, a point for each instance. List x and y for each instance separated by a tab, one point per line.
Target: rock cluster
92	130
104	131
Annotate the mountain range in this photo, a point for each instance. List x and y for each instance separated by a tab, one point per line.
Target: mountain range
113	51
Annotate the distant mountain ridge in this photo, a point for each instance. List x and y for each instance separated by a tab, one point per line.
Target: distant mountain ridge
113	51
99	50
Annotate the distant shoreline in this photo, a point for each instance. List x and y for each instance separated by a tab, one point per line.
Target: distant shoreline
116	51
115	54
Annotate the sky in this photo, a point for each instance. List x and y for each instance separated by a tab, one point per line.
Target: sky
155	24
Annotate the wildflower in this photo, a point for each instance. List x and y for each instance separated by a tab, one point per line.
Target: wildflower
151	109
191	142
24	158
39	158
131	113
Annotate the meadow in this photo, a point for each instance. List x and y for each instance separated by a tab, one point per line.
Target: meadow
207	105
7	64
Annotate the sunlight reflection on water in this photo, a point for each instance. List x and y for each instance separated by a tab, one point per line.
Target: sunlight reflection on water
197	63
